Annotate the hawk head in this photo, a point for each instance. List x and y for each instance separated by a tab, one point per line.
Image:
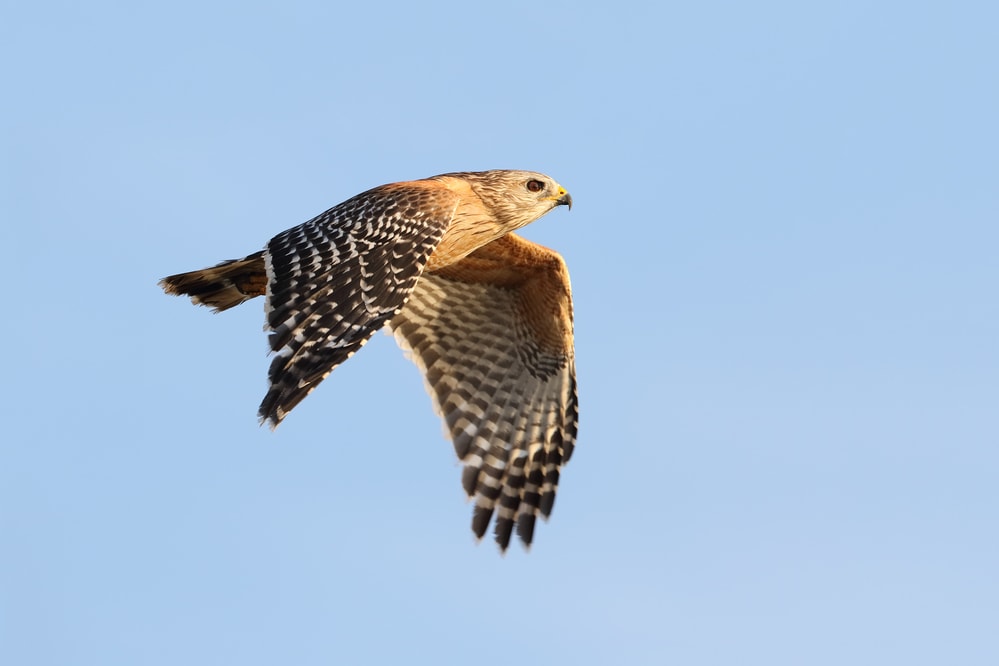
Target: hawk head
515	198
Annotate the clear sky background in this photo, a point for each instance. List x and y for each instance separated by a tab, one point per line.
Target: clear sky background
785	257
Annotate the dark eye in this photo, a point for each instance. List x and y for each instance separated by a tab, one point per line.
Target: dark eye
535	186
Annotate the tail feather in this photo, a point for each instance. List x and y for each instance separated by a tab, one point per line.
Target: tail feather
223	286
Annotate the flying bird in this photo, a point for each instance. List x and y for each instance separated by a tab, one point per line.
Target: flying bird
485	314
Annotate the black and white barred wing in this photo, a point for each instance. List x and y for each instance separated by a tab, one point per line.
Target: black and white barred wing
492	335
336	279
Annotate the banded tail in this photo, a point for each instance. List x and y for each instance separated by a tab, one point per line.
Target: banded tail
223	286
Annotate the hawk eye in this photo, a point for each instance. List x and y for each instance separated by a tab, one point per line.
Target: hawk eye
535	186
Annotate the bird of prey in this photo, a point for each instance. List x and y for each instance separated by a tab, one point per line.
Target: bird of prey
485	314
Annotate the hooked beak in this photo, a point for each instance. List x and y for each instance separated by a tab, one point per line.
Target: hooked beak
564	199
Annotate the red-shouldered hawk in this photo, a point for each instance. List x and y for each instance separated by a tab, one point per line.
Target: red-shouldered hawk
485	314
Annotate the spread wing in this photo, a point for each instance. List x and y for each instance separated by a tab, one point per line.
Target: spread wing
336	279
492	335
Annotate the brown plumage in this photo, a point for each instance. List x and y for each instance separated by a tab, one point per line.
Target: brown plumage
485	314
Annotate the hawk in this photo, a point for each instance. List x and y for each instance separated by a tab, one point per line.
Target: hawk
485	314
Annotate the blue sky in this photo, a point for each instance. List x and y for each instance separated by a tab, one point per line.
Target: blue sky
784	259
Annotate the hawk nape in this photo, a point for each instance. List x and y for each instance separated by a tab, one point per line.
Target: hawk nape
485	314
